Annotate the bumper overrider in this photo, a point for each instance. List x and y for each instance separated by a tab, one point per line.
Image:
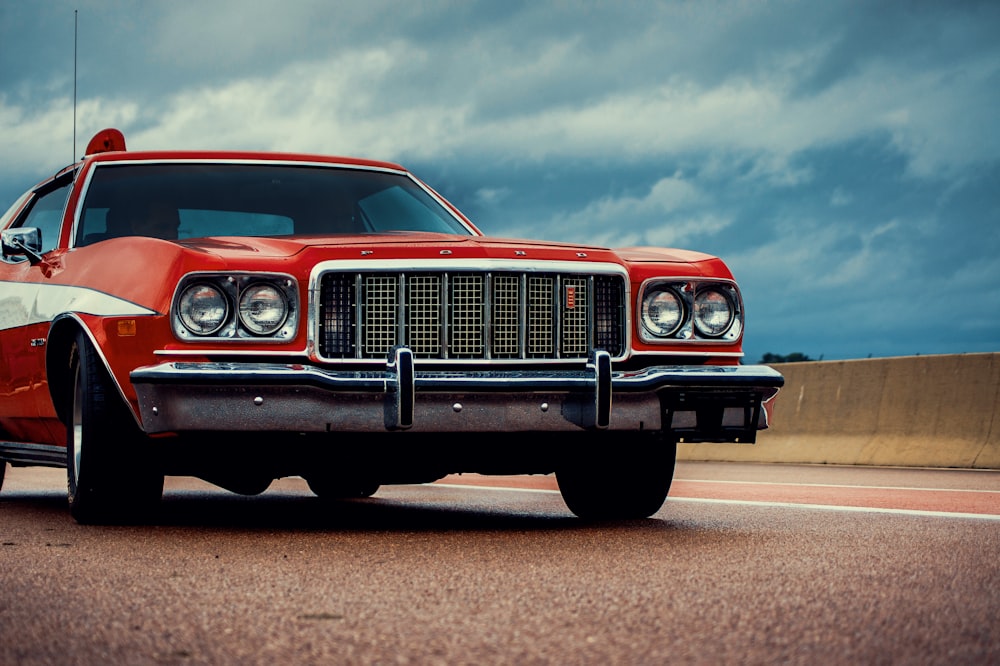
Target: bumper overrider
695	403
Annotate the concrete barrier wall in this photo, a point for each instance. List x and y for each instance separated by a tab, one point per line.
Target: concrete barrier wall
916	411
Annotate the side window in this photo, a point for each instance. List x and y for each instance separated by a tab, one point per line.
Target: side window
46	214
13	209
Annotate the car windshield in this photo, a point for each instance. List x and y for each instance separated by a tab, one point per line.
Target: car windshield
194	200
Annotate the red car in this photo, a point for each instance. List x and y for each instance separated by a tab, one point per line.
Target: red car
243	316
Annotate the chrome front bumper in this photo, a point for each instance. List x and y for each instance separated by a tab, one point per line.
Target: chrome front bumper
697	403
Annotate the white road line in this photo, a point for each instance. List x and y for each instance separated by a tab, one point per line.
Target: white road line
834	485
838	507
786	505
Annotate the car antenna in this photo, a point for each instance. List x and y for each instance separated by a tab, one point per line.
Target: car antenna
75	23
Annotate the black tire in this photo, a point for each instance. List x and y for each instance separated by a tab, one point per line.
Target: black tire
611	481
111	472
3	472
328	487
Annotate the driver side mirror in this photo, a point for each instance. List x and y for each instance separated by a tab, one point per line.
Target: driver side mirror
23	241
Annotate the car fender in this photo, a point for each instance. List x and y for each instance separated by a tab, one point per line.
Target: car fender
59	358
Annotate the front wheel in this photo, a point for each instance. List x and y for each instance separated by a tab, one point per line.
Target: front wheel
611	481
111	473
3	471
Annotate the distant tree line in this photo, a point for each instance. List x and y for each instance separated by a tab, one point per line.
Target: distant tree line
794	357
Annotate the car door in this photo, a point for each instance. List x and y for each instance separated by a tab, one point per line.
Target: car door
26	412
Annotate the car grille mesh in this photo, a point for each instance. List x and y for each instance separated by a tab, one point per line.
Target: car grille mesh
471	315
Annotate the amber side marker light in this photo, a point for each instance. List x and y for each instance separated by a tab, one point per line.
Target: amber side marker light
126	328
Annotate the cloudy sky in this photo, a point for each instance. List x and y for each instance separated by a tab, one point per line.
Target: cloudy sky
842	157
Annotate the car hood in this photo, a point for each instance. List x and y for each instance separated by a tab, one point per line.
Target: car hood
411	245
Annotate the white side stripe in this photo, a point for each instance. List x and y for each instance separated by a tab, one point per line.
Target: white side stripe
23	304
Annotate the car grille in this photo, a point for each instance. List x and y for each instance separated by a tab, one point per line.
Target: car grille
471	315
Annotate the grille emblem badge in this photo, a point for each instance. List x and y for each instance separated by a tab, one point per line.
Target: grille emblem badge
570	298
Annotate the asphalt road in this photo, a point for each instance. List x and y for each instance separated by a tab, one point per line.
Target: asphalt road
749	564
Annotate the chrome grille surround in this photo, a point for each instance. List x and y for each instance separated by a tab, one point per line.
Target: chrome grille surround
454	311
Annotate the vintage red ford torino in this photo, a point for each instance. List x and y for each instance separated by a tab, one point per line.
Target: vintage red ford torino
242	316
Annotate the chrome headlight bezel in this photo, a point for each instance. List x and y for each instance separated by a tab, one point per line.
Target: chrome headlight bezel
695	294
236	289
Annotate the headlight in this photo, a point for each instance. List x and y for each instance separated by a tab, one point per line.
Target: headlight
263	309
662	312
713	313
203	309
234	307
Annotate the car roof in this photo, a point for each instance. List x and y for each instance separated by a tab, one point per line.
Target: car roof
108	145
237	156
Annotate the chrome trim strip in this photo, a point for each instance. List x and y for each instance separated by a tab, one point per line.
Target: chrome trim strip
252	161
83	188
257	352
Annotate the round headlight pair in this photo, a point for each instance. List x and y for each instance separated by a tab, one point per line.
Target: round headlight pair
203	309
664	312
